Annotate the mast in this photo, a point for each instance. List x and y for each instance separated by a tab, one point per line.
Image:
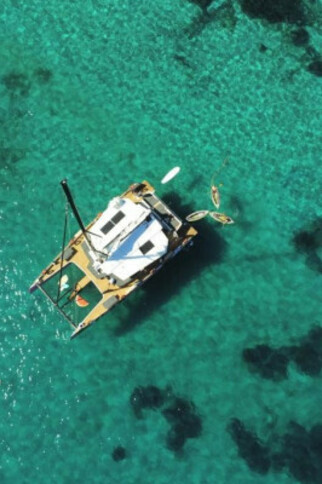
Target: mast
75	211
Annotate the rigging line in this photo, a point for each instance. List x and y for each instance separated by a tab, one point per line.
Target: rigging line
92	233
62	252
219	170
62	295
56	305
69	301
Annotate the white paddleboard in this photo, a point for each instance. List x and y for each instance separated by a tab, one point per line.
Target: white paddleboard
171	174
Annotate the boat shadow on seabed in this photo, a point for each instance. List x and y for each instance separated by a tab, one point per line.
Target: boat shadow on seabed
208	249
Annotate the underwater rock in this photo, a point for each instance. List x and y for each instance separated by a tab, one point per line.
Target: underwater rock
311	52
17	83
263	48
307	359
43	75
146	397
119	453
314	337
296	449
302	468
182	60
308	241
185	423
305	241
288	11
308	354
295	438
278	461
300	37
314	262
175	438
179	407
315	436
315	68
273	363
203	4
269	363
182	414
10	155
250	448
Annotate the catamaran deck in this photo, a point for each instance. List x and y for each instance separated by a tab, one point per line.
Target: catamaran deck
119	250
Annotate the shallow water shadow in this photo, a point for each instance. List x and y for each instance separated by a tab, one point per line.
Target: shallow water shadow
208	249
185	422
250	448
307	355
284	11
272	363
268	362
308	241
298	451
16	83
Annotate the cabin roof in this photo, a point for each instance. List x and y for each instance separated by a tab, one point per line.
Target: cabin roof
120	218
144	245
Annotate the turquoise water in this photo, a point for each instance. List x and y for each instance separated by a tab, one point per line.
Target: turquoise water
107	93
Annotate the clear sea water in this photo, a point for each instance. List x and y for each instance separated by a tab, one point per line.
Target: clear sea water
106	93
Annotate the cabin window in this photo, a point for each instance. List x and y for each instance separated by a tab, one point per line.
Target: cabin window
118	217
145	248
111	223
107	227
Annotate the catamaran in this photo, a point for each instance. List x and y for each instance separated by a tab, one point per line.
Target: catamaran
113	255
